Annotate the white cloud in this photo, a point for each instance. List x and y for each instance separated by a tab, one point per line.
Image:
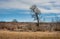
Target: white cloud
49	11
14	4
46	6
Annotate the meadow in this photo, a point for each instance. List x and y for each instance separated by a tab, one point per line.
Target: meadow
29	35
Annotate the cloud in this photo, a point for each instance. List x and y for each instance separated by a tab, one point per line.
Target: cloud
14	4
49	11
46	6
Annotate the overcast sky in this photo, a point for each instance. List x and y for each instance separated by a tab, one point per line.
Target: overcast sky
19	9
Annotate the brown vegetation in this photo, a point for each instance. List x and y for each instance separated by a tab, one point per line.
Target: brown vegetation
29	35
16	26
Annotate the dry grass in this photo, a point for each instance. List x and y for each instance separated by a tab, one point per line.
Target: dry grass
29	35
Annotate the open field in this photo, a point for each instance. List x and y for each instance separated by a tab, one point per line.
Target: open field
29	35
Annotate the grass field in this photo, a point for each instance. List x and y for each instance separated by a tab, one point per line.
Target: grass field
29	35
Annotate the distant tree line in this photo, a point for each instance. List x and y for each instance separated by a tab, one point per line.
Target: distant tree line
14	20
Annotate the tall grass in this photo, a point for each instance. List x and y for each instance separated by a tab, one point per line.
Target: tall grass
29	35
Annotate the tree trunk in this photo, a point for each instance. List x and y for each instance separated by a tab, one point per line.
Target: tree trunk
37	19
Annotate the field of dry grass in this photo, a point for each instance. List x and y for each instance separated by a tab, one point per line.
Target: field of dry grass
29	35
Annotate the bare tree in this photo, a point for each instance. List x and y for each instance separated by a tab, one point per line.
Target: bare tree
36	13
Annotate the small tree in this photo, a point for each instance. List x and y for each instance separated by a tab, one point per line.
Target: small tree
14	20
36	13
